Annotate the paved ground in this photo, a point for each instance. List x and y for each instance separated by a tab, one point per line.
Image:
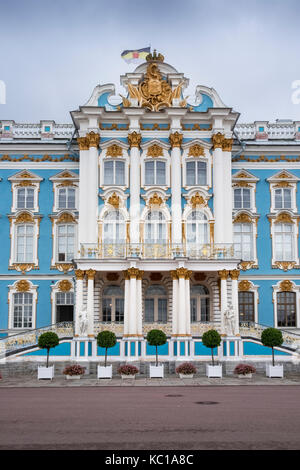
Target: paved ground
152	418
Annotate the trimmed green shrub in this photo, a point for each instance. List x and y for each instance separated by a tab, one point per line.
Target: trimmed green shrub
47	341
106	339
211	339
156	338
271	337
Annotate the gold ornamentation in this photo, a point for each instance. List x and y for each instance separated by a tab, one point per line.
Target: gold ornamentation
25	183
90	273
283	184
154	93
93	139
175	139
285	265
284	217
196	151
24	218
23	286
114	201
286	286
223	274
66	183
154	127
23	267
155	200
45	158
243	219
66	174
66	218
140	275
155	57
83	143
196	127
217	140
134	272
65	267
174	275
126	275
244	265
197	200
241	175
134	139
113	127
242	184
244	285
155	151
227	145
65	285
283	174
183	272
79	274
234	274
114	151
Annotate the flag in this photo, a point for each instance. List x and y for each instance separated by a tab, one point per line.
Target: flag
135	56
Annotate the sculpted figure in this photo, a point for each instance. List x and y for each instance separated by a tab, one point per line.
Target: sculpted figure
229	320
83	323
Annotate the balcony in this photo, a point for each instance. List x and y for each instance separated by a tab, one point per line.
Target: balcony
156	251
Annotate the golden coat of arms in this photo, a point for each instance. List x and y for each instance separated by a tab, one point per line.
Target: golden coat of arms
154	92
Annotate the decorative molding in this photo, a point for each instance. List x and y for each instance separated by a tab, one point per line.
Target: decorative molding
284	265
196	151
227	145
175	139
93	139
83	143
155	151
79	274
114	151
286	286
217	140
196	127
245	285
234	274
114	200
197	200
22	286
64	267
45	158
223	274
284	217
91	274
134	139
242	219
66	218
245	265
154	127
155	200
65	285
24	218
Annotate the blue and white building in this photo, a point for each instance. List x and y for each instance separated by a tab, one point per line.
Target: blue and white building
149	211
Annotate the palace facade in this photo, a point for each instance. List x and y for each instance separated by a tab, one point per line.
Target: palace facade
149	211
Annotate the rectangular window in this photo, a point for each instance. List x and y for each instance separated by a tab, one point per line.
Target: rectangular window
24	244
286	309
22	310
25	198
106	309
193	310
162	310
66	242
119	313
283	198
246	306
66	198
155	173
242	198
283	241
196	173
114	173
243	241
149	310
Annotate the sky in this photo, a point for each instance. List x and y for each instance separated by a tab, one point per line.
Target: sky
54	52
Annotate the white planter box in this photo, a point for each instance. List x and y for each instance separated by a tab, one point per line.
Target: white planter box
73	377
124	376
213	371
104	372
245	376
45	372
186	376
274	371
157	371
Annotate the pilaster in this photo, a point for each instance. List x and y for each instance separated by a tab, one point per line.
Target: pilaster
134	140
176	141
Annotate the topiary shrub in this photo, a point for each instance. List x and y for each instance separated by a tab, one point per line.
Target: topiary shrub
47	341
156	338
211	339
243	369
271	337
186	368
106	339
128	369
74	369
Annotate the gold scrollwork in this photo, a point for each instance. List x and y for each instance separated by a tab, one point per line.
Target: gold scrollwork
65	285
155	151
114	151
23	286
175	139
196	151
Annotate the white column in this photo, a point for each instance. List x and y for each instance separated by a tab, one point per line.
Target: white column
90	301
133	306
182	302
227	191
139	326
175	140
188	303
93	188
126	303
79	298
175	303
134	140
223	275
83	191
235	299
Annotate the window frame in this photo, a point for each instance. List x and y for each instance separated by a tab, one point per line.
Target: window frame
199	297
156	298
281	287
17	288
114	298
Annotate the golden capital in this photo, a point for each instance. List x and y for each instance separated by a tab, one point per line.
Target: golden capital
175	139
133	272
217	140
235	274
188	275
93	139
182	273
126	275
174	275
223	274
140	275
83	143
227	145
134	139
79	274
91	273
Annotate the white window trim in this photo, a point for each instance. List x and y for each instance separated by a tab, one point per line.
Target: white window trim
23	218
166	161
244	217
56	188
292	187
54	290
29	185
207	158
210	297
103	157
293	288
252	188
251	288
62	218
65	178
285	217
15	289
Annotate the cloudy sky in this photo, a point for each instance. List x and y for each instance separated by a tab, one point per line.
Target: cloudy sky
54	52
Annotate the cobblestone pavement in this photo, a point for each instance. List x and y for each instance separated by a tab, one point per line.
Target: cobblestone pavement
172	380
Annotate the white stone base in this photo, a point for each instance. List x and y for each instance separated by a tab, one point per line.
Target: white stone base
104	372
213	371
245	376
157	371
186	376
45	372
124	376
73	377
274	371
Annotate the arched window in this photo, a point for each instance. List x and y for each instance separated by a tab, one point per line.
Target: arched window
65	242
155	172
114	172
286	308
243	241
24	243
114	227
156	304
197	228
113	304
155	227
200	309
246	306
